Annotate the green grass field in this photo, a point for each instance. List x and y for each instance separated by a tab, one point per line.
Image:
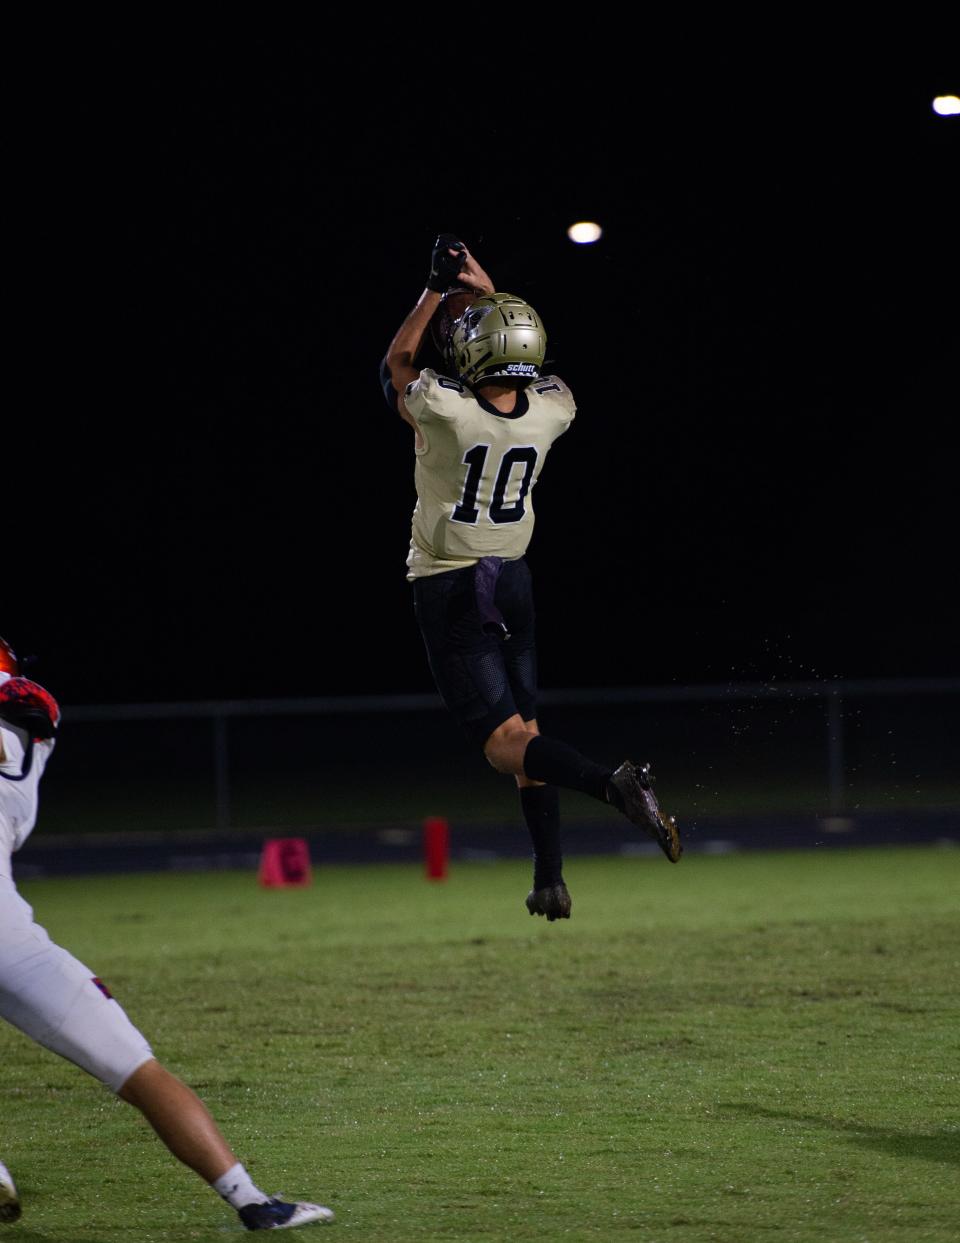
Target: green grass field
750	1047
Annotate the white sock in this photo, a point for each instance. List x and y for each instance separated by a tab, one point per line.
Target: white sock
238	1189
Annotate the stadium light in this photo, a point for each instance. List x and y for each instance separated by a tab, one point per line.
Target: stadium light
584	231
947	105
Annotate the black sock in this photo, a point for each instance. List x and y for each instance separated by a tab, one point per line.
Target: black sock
553	762
541	810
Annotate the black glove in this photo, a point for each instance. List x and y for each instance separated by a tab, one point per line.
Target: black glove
445	267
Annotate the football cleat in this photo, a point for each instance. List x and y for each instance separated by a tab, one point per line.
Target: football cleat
275	1214
9	1200
552	901
633	784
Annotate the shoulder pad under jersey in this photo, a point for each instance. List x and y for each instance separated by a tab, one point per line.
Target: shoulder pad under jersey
552	390
433	396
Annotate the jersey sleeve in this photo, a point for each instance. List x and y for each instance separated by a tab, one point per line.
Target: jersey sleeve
557	399
432	398
13	750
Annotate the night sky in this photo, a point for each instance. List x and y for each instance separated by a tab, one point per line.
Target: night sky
207	496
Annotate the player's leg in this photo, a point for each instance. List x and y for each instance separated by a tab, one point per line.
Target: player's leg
479	674
539	802
540	805
185	1125
57	1001
467	663
469	667
181	1120
513	748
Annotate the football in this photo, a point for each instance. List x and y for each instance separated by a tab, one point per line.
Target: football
446	317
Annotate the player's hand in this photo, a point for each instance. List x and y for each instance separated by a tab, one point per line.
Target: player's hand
449	256
28	706
473	276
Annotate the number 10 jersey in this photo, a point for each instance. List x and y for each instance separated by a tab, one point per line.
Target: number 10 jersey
476	468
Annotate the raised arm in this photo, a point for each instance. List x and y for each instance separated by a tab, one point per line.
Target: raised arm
403	349
452	266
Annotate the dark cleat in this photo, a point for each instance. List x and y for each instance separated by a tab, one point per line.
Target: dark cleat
553	901
633	794
9	1200
276	1214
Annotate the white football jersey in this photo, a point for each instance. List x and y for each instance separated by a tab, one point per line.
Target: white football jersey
476	469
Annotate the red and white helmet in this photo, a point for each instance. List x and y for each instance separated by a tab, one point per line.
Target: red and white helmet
8	659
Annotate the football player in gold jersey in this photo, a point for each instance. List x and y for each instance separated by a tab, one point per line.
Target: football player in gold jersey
482	433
